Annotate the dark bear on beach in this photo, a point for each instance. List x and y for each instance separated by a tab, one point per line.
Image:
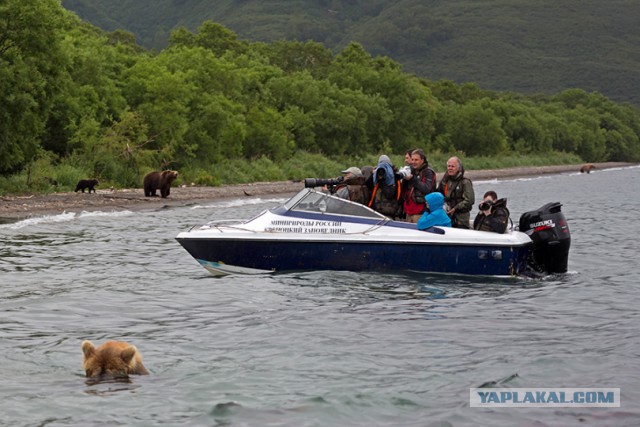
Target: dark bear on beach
159	180
113	359
587	168
87	183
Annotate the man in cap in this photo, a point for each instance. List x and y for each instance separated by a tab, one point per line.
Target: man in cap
353	186
352	171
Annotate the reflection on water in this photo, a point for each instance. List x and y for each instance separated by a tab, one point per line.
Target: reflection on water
315	348
406	285
99	387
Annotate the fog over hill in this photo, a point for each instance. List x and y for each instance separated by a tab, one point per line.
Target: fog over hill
528	47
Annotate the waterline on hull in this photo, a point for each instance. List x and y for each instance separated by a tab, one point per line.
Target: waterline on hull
220	269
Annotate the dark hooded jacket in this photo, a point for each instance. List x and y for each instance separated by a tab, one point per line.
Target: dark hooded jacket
497	221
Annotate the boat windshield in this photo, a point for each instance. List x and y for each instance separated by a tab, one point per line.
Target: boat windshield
313	201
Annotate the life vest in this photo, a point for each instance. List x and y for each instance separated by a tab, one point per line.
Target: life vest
454	194
386	199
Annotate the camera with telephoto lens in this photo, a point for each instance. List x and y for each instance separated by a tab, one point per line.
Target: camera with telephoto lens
485	205
319	182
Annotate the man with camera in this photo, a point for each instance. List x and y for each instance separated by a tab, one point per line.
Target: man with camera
352	186
493	215
418	181
384	186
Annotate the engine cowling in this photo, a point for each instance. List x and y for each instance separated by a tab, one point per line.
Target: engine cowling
548	229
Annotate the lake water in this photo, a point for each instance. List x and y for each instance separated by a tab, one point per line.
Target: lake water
316	348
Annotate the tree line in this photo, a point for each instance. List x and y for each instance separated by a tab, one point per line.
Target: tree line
93	103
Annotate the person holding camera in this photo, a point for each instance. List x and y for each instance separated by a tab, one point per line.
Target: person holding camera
385	197
352	187
407	160
458	194
493	215
418	181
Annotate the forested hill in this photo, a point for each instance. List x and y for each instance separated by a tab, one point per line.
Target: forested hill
528	47
77	102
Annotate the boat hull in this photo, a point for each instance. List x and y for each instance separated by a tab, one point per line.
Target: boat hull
222	256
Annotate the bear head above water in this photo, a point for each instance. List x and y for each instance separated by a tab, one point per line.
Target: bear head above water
113	359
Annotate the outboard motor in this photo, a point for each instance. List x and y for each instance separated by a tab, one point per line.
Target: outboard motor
549	231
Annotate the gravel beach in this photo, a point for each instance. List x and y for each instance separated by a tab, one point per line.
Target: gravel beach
25	206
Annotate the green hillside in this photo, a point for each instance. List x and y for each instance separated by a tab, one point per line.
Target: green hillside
77	101
528	47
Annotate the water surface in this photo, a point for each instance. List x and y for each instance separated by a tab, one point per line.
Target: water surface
316	348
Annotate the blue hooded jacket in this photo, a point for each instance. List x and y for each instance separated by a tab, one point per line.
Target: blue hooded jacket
435	216
385	163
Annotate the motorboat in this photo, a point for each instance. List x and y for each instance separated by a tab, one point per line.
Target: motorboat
318	231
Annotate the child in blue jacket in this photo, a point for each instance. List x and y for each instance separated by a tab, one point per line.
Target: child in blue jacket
434	216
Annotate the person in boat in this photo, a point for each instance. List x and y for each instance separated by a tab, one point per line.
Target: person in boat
493	215
417	183
407	162
458	194
404	171
353	187
385	189
434	215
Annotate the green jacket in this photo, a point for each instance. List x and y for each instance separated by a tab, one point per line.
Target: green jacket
458	193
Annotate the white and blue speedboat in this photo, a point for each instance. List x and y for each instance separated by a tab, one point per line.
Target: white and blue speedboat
317	231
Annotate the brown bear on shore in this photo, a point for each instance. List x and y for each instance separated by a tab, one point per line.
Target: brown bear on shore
587	167
86	183
159	180
113	359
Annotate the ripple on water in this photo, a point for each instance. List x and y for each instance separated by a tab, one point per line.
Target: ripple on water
314	348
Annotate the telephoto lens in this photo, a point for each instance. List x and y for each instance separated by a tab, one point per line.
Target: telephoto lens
319	182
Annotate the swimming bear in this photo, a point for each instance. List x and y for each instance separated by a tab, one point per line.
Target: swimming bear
113	359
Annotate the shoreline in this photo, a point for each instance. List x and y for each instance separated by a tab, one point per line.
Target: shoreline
14	208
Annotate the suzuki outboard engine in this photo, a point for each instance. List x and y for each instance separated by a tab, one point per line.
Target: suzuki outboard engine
549	231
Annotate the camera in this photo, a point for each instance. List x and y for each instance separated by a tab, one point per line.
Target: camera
485	205
319	182
405	171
